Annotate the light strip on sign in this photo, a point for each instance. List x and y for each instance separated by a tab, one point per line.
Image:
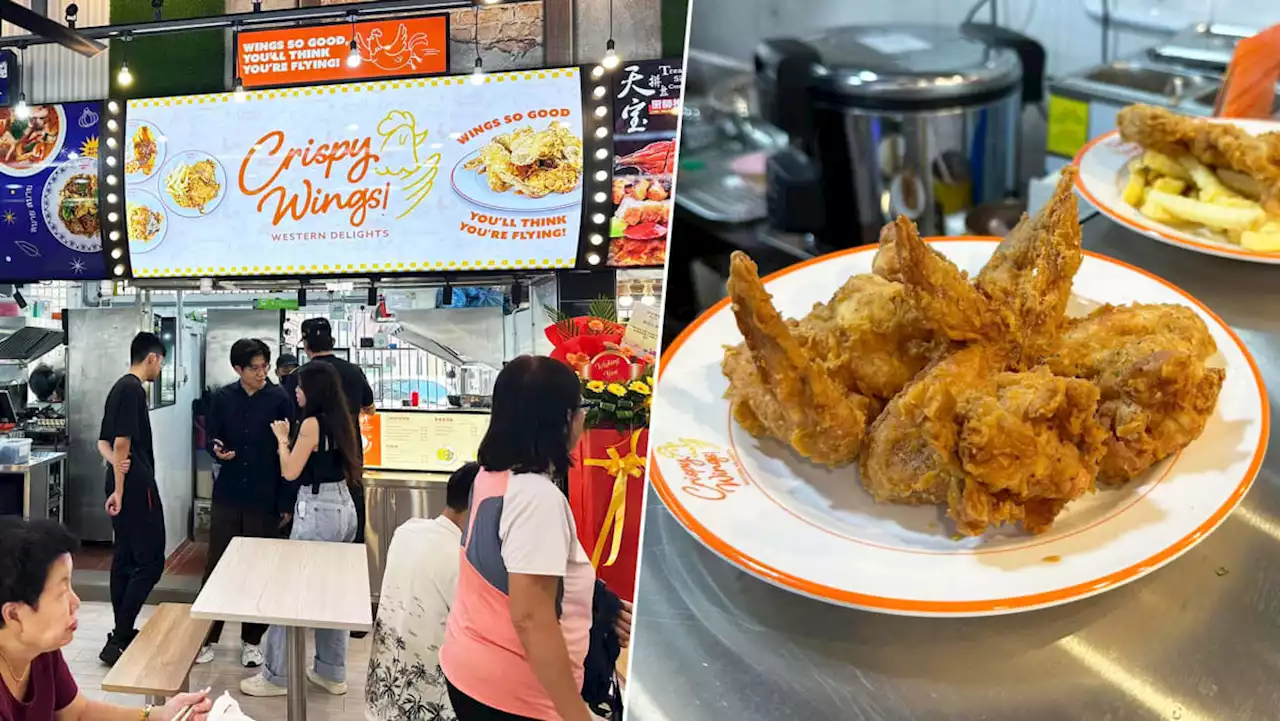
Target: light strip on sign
112	215
597	176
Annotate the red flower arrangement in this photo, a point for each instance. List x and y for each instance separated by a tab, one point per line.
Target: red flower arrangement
577	340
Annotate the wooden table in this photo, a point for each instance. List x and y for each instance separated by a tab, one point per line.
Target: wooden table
295	584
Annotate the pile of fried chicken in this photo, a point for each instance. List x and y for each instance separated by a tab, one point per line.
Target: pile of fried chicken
980	394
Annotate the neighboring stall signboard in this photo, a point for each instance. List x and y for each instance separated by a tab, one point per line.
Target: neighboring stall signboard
647	98
396	48
422	440
49	219
389	177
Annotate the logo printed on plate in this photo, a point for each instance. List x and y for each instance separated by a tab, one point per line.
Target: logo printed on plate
710	473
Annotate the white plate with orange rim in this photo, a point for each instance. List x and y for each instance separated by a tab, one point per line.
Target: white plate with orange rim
816	532
1104	171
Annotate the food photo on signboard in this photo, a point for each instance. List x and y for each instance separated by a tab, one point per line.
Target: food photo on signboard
49	195
646	110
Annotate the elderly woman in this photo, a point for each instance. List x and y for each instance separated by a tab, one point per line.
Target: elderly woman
37	619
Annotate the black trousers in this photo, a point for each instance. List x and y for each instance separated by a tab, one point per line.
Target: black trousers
137	562
225	523
469	709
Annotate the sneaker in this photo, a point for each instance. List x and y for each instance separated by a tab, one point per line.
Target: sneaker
251	656
337	688
259	686
205	655
114	648
359	634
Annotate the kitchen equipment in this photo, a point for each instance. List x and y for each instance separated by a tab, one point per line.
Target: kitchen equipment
874	108
1201	47
391	498
996	218
1083	105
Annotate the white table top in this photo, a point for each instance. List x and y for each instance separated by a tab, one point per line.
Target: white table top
289	583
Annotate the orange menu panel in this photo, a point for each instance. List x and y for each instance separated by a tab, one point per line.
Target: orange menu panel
371	436
1250	87
314	55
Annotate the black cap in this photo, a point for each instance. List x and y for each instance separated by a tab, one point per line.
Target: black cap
287	360
315	327
317	334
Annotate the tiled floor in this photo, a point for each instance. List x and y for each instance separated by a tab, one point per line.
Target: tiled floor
224	674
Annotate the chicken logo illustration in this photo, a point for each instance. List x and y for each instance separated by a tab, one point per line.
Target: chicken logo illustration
405	158
405	53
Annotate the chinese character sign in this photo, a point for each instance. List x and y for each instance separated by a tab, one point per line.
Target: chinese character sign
647	105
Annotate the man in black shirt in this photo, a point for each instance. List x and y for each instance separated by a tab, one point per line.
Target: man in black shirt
133	498
248	482
317	338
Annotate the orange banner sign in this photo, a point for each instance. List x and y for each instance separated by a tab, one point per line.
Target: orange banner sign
371	438
402	47
1250	87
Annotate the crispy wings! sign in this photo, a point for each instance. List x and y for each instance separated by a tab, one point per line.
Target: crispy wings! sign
403	47
394	176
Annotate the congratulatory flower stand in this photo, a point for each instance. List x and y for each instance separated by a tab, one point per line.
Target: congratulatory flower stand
606	484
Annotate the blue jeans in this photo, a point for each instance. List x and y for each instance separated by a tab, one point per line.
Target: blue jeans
329	515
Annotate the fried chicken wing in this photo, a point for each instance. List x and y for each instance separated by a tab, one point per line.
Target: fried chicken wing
1029	443
869	337
1148	362
774	387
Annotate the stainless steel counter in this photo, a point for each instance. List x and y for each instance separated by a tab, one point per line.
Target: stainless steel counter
43	485
38	458
1197	640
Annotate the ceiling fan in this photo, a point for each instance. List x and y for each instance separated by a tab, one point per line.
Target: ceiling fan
46	28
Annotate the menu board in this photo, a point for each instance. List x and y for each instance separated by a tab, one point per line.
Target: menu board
422	440
646	116
390	176
49	220
398	47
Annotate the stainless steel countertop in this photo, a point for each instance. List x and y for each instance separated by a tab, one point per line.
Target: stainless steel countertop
38	458
1197	640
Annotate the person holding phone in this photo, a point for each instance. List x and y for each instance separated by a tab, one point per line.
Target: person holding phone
249	481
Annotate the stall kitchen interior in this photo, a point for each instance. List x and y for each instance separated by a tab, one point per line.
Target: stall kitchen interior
439	182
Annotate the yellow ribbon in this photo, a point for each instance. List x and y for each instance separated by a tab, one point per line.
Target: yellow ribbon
620	467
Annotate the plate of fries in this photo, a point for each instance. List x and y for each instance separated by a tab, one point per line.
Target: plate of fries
1179	199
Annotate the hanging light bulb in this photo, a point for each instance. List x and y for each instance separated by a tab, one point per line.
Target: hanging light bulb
353	55
240	95
22	111
477	75
611	60
124	78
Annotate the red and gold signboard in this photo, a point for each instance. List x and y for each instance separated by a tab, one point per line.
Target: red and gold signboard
402	47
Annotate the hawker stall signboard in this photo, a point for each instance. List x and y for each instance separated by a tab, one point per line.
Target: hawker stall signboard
386	177
646	111
400	47
49	220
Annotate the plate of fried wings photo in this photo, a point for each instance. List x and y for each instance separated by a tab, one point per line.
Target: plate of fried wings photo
1211	185
524	170
956	427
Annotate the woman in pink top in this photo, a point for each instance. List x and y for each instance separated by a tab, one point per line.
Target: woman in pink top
519	628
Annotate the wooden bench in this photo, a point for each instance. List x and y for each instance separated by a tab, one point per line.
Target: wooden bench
158	662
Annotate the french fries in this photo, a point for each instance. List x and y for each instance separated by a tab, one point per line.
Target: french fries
1187	194
1219	217
1241	183
1164	165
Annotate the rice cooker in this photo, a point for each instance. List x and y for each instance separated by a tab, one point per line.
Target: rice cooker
918	120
